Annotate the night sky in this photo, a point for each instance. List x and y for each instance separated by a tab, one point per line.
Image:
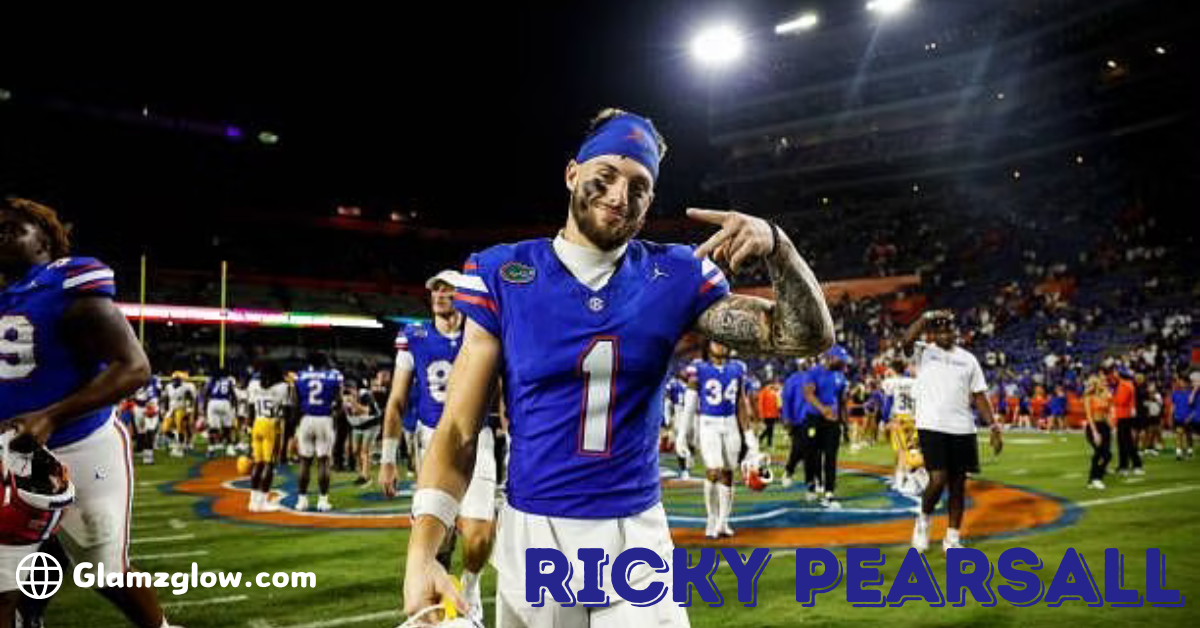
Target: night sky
470	111
465	112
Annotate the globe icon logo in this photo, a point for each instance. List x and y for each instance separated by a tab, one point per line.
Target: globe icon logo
39	576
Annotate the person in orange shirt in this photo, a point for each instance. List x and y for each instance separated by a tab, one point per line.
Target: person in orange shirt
1012	405
1037	407
1124	401
769	400
1097	405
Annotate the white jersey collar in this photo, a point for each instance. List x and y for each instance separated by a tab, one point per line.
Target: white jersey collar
593	268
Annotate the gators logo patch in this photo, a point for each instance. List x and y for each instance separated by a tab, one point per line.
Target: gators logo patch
516	272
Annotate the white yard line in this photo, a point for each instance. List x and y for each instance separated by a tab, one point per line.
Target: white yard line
213	600
163	539
1126	498
169	555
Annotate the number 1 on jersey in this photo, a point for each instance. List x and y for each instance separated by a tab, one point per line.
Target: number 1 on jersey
597	367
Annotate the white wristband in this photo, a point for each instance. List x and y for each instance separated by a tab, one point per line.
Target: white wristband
388	455
436	503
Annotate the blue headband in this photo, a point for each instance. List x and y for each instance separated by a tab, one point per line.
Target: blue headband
627	135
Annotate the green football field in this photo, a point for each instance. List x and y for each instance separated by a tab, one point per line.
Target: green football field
358	571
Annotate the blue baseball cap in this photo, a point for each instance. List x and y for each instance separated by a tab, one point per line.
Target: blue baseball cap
838	352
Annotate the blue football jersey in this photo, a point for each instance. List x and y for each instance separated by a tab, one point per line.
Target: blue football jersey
147	393
36	366
675	391
318	391
720	387
583	369
410	418
220	388
433	356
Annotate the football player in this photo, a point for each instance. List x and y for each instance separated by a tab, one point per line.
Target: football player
319	391
673	393
908	479
146	418
219	399
424	356
269	405
717	392
177	422
70	354
580	327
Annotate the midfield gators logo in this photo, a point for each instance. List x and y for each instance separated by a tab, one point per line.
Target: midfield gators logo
516	272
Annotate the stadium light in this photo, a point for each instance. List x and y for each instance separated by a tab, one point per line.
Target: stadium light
805	22
718	45
888	7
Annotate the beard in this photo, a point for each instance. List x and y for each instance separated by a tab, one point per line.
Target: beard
605	238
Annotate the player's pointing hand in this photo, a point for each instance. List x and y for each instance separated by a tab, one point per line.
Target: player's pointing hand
741	237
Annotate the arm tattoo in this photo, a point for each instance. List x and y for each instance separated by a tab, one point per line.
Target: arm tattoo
739	321
796	323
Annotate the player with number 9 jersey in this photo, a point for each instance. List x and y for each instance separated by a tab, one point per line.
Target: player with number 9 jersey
433	354
67	353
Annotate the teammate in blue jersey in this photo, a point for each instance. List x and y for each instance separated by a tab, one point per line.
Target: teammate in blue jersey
1183	397
66	355
717	393
319	393
581	327
825	392
219	401
680	425
424	356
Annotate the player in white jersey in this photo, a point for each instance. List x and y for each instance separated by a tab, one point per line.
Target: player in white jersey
910	477
146	417
269	405
181	398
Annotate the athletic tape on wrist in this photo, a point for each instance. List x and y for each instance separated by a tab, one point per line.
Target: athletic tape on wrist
388	455
436	503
